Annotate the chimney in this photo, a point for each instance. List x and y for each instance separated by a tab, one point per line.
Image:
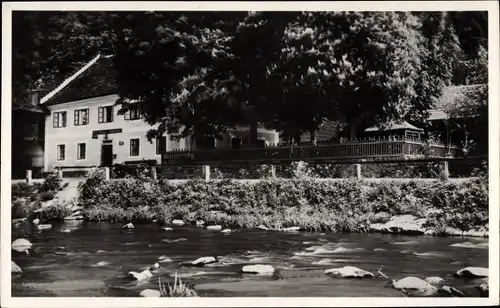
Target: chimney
35	97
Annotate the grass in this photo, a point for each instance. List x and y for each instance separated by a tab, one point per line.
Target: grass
178	289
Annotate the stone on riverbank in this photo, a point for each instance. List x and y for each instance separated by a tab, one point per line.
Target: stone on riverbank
74	217
451	291
214	228
262	227
200	261
164	259
348	272
167	229
142	275
128	226
291	229
434	280
178	222
414	283
226	231
258	269
402	224
150	293
21	245
15	268
473	272
36	221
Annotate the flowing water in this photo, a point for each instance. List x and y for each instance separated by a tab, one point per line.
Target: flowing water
95	258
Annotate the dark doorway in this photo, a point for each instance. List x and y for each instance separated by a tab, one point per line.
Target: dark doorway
106	155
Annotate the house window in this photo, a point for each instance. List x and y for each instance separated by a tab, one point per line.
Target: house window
105	114
81	117
134	147
61	152
161	145
59	119
81	150
133	113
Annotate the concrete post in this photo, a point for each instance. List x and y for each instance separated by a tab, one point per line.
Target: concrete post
60	173
206	172
273	171
358	172
445	170
107	173
153	172
29	178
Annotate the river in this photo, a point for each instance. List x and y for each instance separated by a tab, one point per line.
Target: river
94	259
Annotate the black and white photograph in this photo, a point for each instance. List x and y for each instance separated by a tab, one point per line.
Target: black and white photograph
250	153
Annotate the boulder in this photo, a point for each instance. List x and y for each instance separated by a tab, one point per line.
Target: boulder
36	221
128	226
258	269
434	280
21	245
200	223
214	228
44	227
473	272
167	229
141	276
200	261
291	229
150	293
164	259
15	268
451	291
430	232
262	227
414	283
483	290
226	231
178	222
66	231
348	272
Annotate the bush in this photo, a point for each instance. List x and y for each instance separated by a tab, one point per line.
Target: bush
20	209
47	196
51	183
56	212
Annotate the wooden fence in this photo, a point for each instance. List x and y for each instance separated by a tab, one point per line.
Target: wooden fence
389	148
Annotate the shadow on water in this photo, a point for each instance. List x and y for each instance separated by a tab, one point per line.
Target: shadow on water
93	259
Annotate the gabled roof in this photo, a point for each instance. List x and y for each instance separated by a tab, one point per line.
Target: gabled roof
451	95
26	104
395	126
96	78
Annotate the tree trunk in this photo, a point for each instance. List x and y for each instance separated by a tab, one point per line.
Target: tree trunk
313	137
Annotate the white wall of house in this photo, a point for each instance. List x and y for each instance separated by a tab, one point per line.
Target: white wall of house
70	136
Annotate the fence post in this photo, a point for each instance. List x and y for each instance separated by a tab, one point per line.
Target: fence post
358	171
153	172
445	170
106	173
60	173
206	172
29	178
273	171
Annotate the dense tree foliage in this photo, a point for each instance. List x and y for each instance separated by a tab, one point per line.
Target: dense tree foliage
199	74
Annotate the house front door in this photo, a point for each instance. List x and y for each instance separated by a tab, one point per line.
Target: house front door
107	155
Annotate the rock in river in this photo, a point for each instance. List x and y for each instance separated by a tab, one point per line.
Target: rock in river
214	228
164	259
348	272
44	227
150	293
291	229
200	261
178	222
434	280
258	269
15	268
21	245
262	227
414	283
142	275
226	231
36	221
128	226
167	229
473	272
451	291
200	223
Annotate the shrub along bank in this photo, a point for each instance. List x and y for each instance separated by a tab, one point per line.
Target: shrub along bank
312	204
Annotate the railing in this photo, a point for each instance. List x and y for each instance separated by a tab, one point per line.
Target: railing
393	147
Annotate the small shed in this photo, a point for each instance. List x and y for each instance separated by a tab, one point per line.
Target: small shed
400	129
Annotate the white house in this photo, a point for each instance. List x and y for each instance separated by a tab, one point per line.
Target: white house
83	128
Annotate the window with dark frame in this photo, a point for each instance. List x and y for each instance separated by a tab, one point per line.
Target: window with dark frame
81	117
134	147
133	113
105	114
81	150
161	145
59	119
61	152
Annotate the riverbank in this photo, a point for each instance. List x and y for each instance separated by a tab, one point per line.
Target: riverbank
399	206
